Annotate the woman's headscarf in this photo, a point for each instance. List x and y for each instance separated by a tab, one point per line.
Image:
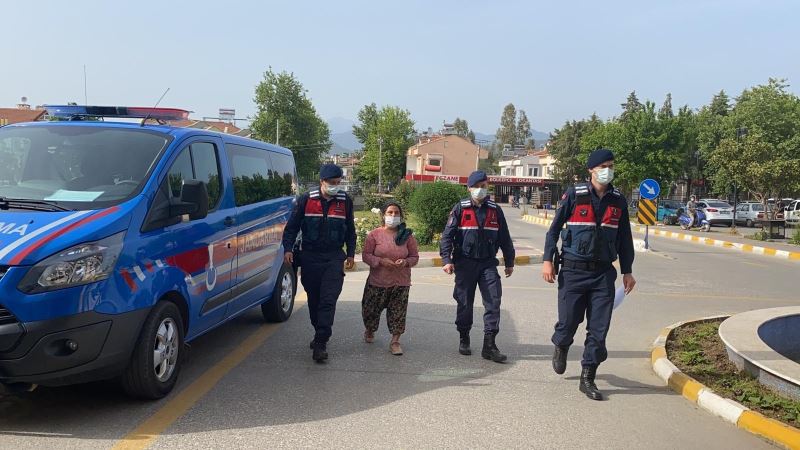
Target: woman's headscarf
403	233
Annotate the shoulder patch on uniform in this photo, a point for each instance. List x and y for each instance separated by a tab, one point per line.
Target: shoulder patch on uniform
466	203
491	204
341	196
314	193
616	192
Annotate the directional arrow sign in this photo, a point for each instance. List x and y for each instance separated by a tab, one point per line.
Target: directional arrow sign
649	189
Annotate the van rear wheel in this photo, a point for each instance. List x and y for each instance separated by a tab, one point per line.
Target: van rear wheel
157	356
280	306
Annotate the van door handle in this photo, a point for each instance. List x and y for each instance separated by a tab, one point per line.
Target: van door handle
229	221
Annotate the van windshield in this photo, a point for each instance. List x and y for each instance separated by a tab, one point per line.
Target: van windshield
76	167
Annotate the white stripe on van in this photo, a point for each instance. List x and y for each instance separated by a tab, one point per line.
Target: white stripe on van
13	246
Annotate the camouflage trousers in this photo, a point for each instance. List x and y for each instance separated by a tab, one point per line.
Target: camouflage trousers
393	299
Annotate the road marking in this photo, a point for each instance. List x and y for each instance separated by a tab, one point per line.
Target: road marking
148	431
753	264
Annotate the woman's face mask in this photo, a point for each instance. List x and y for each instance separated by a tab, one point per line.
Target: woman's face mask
392	221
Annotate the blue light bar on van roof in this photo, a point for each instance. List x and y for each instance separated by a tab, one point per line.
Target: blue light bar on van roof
128	112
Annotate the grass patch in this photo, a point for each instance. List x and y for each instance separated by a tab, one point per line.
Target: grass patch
698	351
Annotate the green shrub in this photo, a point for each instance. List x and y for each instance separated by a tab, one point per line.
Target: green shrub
760	236
402	194
431	204
374	201
363	226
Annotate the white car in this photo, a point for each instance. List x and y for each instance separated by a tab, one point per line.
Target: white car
717	211
747	213
792	213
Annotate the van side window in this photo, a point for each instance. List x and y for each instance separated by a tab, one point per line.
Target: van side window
180	171
282	175
198	162
251	174
206	169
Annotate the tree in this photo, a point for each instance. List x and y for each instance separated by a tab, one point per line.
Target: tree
462	129
523	133
507	133
632	105
566	149
767	160
281	101
395	127
665	112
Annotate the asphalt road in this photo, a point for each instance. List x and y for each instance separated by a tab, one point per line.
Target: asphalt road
431	397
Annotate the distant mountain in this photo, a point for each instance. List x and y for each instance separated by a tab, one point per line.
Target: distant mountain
347	142
339	125
539	137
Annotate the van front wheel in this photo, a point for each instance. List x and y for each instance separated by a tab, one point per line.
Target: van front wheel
279	307
157	357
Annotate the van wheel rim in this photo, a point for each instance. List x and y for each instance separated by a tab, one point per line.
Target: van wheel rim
287	288
165	349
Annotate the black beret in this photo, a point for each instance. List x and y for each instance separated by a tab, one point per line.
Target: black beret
328	171
476	177
598	157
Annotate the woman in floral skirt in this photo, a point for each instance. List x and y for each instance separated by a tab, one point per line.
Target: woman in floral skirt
390	251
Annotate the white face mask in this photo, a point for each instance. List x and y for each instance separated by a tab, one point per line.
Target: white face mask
392	221
478	193
604	175
332	190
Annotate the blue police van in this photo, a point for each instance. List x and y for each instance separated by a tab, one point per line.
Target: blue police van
120	242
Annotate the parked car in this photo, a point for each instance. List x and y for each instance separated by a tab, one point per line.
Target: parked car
773	212
717	212
747	213
792	213
668	211
122	241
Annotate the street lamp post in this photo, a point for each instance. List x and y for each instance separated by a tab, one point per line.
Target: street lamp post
741	132
380	164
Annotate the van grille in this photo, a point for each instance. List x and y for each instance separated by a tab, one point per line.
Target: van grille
6	316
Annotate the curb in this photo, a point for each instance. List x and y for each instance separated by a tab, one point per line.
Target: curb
746	248
522	260
728	410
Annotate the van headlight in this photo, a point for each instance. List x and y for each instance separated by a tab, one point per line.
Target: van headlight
81	264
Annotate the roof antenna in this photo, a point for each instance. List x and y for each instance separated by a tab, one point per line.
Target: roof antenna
154	107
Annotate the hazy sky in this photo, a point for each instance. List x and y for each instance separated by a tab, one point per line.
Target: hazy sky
438	59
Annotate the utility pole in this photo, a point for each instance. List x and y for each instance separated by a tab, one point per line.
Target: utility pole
277	131
478	157
380	164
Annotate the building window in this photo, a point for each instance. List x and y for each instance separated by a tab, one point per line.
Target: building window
530	171
536	171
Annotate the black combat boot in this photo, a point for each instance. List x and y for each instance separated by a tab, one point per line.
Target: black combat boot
320	352
587	385
490	350
560	359
463	345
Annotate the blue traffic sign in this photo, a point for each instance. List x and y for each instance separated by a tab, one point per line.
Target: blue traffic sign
649	189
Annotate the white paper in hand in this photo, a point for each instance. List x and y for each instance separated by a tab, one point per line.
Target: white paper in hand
619	296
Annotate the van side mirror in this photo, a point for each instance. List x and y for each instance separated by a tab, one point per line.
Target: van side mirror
194	201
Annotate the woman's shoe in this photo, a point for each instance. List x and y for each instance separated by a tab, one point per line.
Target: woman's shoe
369	337
395	348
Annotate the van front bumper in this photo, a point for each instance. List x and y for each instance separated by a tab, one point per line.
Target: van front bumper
68	350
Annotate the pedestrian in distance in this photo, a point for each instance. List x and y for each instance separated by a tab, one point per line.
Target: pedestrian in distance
324	215
476	229
597	233
390	251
